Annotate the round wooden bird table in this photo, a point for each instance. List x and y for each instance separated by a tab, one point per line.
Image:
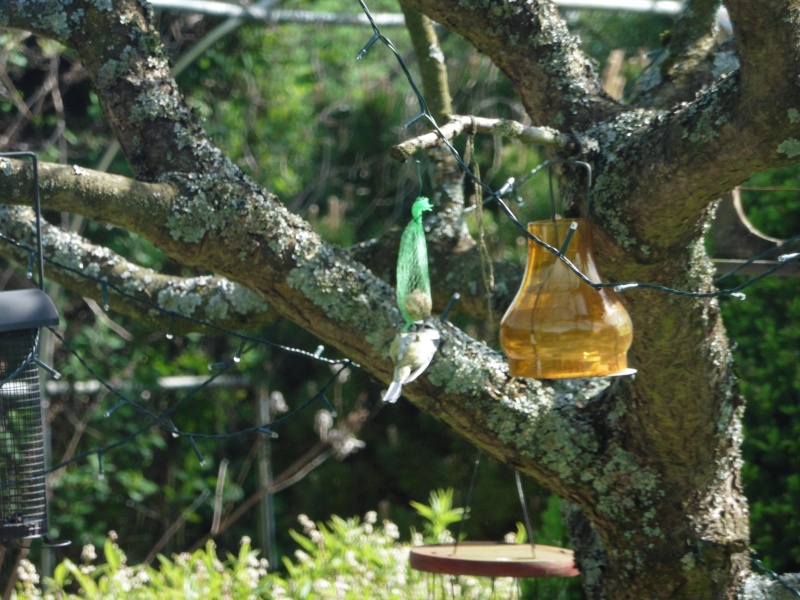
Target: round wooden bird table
491	559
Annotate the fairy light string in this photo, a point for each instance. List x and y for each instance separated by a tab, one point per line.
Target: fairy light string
491	195
511	185
164	420
107	287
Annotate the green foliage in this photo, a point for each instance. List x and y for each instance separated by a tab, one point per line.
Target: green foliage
603	30
767	338
439	514
766	361
201	574
343	559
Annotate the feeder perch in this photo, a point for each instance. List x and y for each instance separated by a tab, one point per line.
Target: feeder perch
558	325
487	559
23	506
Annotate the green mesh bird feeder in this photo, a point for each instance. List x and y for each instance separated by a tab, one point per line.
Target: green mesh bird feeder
413	281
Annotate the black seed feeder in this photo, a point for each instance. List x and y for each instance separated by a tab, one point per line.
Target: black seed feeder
22	489
23	503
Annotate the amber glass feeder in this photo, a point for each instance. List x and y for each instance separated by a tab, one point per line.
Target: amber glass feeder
558	325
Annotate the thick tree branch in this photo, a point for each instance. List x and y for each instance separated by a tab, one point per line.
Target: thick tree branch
431	62
132	290
691	58
695	22
530	43
767	43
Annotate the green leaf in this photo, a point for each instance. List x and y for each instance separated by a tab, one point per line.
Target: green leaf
112	555
86	583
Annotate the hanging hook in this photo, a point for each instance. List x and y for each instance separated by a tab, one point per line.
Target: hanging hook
569	161
419	176
37	205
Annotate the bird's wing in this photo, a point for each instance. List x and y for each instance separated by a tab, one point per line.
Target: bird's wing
418	371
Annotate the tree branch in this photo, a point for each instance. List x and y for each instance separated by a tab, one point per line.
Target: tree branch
134	291
691	58
695	23
766	40
531	44
431	62
457	124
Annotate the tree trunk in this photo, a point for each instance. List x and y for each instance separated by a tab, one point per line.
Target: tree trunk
650	463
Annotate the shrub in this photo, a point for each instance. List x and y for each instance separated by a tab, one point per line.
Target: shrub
343	559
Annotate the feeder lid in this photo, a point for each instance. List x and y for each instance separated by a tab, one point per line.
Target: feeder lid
26	309
492	559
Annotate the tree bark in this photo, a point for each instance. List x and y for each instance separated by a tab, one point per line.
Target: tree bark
651	463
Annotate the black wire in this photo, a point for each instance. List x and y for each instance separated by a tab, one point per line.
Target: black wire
164	419
528	528
782	246
468	499
492	195
106	285
775	576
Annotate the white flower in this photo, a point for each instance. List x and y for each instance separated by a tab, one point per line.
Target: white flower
252	561
89	553
122	577
341	585
301	556
391	530
26	572
371	517
316	537
308	524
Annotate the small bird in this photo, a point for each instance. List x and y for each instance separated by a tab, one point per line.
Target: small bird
412	352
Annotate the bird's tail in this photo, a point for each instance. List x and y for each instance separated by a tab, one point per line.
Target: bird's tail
393	393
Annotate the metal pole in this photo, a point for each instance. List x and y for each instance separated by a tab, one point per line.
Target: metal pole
266	513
